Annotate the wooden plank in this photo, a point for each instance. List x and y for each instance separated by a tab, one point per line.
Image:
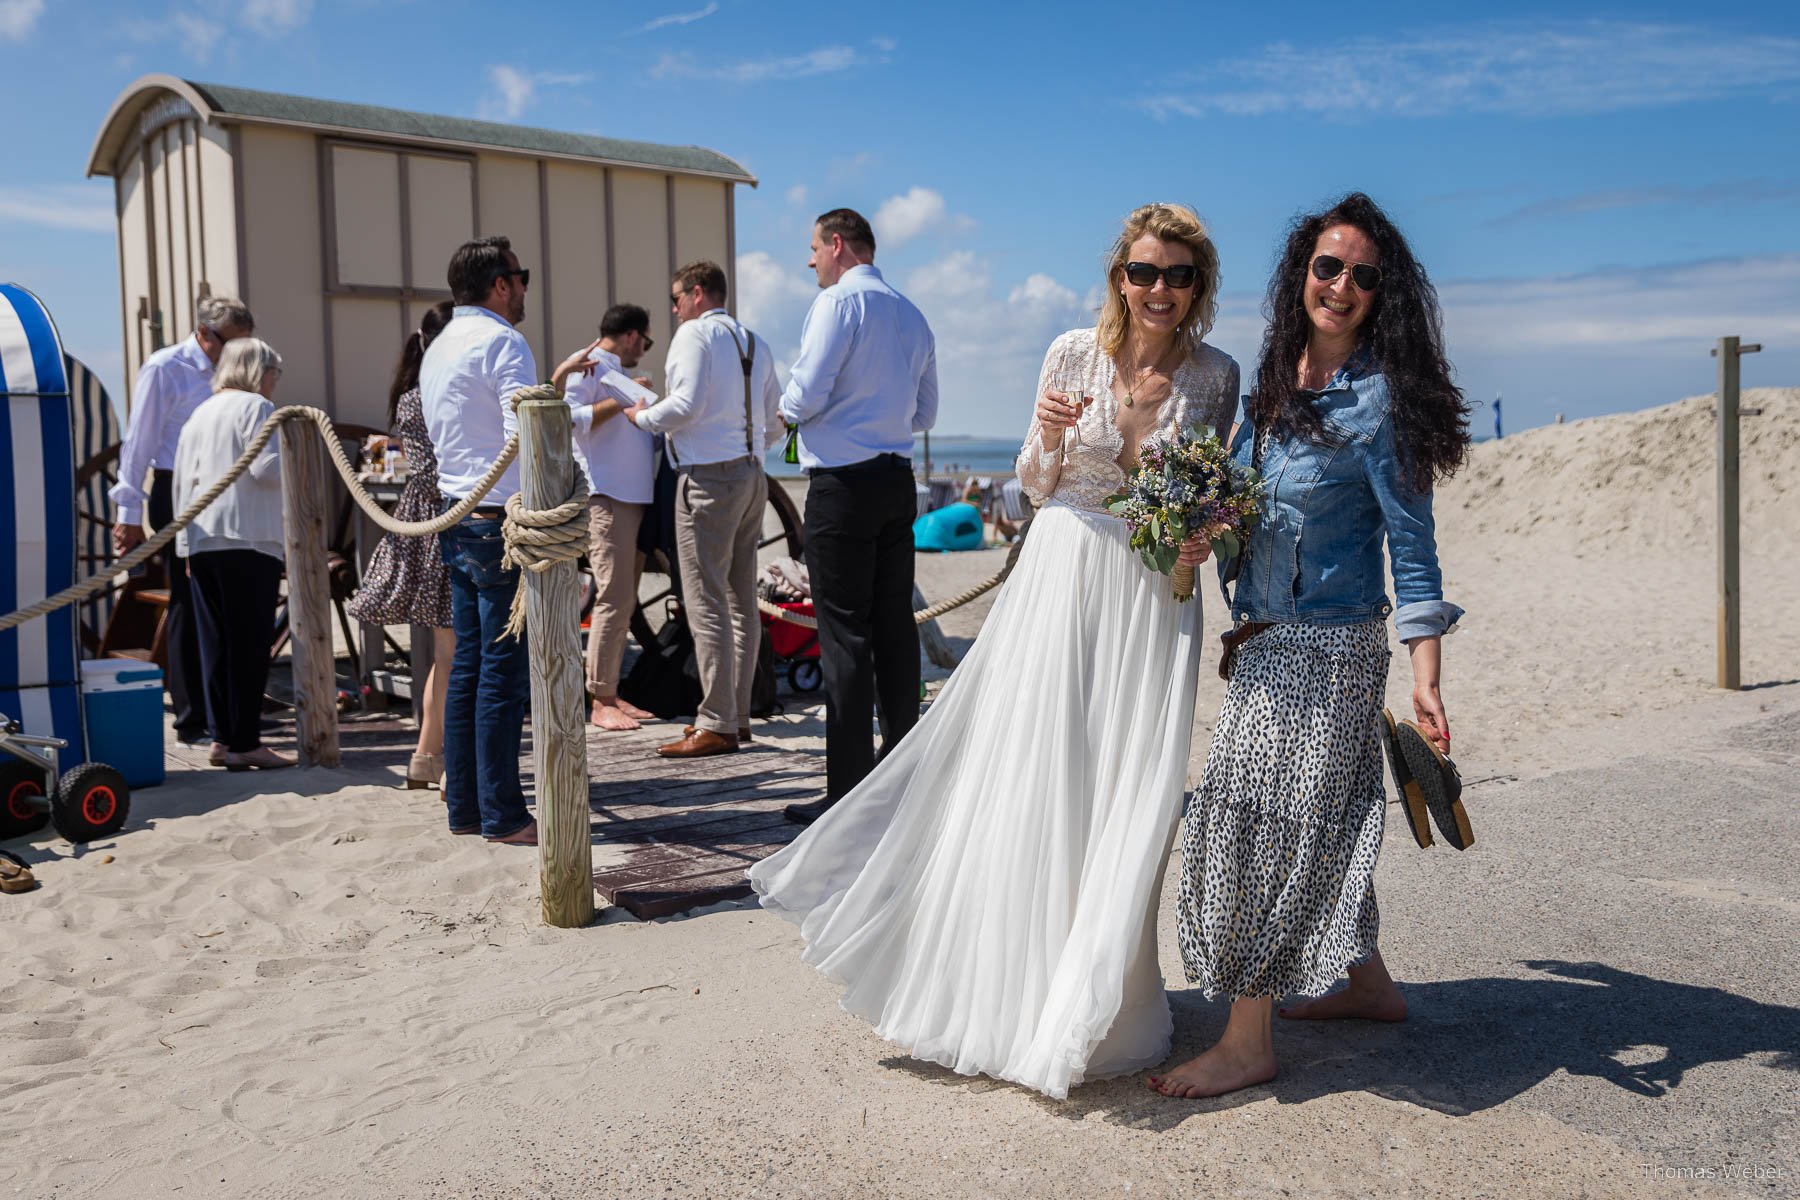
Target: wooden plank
686	829
558	682
1728	674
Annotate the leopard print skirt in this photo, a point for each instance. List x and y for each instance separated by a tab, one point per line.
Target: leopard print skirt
1279	845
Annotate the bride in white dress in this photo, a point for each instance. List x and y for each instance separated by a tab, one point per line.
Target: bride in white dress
987	896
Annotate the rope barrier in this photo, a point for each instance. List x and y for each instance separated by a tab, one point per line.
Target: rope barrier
919	618
538	539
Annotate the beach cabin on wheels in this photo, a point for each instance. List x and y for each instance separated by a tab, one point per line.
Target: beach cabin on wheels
335	223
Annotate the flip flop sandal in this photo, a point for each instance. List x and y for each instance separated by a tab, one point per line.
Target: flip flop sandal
15	876
1412	800
1438	779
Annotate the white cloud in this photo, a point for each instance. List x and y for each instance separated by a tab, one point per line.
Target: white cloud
681	18
773	298
17	17
198	34
273	17
515	90
78	208
1736	193
1492	67
884	44
825	60
796	195
900	219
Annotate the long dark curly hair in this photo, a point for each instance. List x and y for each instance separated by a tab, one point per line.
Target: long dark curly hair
1403	331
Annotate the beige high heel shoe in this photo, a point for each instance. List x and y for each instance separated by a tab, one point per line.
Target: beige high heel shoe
424	771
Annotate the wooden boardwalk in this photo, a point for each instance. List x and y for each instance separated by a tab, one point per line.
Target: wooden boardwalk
674	834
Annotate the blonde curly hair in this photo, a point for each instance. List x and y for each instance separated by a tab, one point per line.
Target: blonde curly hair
1166	223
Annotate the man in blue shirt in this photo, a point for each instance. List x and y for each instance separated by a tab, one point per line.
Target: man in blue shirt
865	381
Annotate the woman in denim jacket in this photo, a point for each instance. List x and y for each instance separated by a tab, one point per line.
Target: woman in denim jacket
1352	420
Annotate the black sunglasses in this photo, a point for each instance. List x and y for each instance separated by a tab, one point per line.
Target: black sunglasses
1330	266
1144	274
648	341
523	274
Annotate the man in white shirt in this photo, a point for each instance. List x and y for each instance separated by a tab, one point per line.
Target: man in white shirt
620	462
171	384
466	385
719	416
865	381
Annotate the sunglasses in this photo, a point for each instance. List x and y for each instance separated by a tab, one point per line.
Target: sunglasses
523	274
1143	274
648	342
1328	267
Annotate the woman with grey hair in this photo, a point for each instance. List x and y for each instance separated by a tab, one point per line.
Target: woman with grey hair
234	549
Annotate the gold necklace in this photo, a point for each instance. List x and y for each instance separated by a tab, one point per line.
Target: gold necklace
1131	388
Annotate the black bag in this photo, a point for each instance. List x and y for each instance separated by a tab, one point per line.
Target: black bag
762	684
665	679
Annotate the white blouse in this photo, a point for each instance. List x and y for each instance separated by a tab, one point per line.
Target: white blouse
247	515
1083	474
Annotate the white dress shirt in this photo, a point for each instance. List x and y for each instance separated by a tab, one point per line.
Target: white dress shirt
703	414
171	384
247	515
466	385
619	458
866	377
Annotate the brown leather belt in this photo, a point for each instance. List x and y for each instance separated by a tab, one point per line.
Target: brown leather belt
1235	638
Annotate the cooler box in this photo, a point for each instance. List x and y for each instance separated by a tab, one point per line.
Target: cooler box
122	700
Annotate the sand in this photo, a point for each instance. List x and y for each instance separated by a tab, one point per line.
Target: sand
316	991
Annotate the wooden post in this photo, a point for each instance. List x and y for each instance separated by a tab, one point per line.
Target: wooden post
1727	352
558	681
303	503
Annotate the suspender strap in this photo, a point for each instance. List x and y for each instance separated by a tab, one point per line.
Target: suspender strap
746	359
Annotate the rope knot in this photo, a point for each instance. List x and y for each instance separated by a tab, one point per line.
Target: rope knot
538	539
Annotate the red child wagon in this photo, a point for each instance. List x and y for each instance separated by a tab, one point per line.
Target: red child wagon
796	646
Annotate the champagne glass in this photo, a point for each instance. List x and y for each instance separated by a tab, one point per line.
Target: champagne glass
1069	382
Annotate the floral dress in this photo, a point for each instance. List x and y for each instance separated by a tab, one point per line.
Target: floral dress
406	582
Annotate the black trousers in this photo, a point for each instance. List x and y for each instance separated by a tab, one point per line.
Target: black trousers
186	694
859	551
235	593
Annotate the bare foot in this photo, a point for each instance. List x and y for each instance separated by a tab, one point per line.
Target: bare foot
612	715
262	758
1216	1072
524	837
1353	1003
632	710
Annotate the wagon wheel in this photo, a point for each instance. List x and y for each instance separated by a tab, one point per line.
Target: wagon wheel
103	468
787	516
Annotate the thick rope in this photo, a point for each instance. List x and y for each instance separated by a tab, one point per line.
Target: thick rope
919	618
538	539
293	412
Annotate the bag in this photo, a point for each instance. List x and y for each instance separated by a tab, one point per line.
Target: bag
665	679
762	683
1234	638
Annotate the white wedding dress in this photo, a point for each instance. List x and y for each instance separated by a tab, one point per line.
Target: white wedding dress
987	896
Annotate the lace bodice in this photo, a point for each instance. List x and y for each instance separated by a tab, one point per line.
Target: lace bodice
1205	392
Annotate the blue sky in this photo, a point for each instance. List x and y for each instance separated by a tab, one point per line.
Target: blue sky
1599	192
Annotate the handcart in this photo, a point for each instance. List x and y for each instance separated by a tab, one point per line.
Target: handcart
796	646
45	775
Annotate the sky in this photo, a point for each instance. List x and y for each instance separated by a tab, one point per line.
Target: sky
1598	192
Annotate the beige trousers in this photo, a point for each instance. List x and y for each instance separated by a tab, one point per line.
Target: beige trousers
718	522
613	556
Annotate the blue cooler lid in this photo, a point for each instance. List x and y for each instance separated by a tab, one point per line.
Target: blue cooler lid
118	675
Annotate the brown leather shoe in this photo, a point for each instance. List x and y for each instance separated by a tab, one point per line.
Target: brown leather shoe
743	732
699	744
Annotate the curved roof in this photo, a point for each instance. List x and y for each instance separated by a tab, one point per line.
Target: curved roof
217	102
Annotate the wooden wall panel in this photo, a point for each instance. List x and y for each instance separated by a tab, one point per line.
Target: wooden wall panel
282	245
441	197
577	208
365	188
641	250
509	206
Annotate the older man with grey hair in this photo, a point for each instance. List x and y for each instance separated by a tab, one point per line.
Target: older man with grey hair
171	384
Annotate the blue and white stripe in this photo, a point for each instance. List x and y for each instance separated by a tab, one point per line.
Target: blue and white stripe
39	661
96	428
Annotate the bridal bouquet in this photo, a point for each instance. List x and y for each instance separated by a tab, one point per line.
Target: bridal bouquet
1182	486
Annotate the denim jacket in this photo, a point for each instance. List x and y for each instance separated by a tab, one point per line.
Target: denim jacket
1315	556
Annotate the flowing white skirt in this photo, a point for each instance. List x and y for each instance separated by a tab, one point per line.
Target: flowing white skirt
987	896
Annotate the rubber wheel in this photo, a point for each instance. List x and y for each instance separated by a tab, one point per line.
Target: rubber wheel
804	675
90	802
20	782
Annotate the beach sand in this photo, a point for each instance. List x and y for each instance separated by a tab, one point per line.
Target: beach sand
317	991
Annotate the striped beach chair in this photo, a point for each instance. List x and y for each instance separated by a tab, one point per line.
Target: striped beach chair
96	430
39	660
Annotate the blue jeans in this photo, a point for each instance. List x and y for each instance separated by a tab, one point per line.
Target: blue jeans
490	685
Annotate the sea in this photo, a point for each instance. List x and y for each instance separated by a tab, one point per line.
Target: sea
950	455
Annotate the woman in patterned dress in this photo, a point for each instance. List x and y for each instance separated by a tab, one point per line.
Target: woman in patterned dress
987	896
407	582
1352	418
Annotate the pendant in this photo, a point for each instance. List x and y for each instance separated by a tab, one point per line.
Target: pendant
1127	397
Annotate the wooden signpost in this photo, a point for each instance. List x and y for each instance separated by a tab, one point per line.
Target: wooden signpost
558	680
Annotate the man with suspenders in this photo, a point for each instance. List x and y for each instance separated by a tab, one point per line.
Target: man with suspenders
719	417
